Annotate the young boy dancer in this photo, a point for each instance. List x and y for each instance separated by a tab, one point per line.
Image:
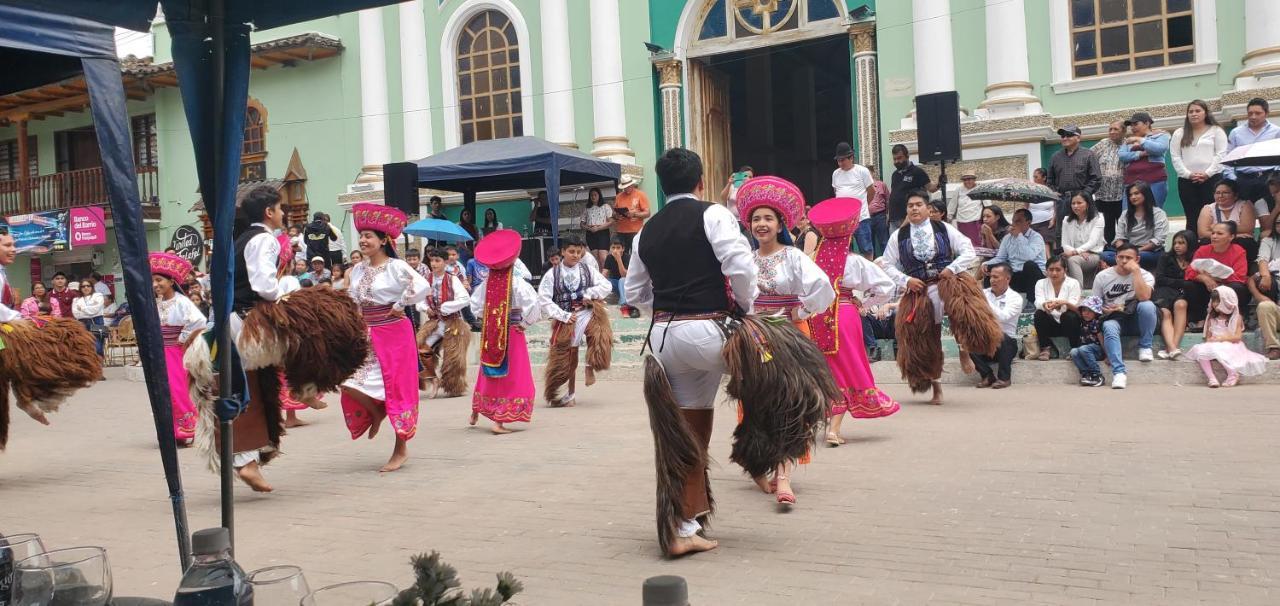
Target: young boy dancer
444	336
572	295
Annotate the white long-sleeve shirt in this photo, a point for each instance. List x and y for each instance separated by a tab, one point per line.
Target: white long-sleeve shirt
1203	156
1069	293
571	278
7	314
435	284
865	276
84	308
790	272
393	282
180	311
260	256
1008	307
523	298
730	248
1084	237
962	252
963	209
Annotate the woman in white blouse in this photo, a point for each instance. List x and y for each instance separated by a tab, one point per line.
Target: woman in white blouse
596	221
1056	299
1197	152
1083	238
87	308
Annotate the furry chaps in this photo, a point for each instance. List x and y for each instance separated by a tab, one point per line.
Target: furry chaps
973	323
450	351
599	337
562	361
316	334
44	365
919	341
676	451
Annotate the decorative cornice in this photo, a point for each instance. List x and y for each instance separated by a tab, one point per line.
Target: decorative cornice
668	72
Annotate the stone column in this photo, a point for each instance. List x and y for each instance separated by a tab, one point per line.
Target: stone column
375	126
416	93
1261	44
557	74
609	111
868	91
1009	89
931	34
669	84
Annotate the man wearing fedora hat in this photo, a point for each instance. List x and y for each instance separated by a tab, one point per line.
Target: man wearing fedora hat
852	180
632	208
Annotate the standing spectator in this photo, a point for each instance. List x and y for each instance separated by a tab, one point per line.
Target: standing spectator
99	286
1197	156
467	221
906	178
435	207
804	236
965	212
1142	225
356	257
1109	196
1056	315
730	192
1126	289
1082	238
540	215
337	247
31	306
1007	305
1042	213
1257	128
1143	156
596	221
87	308
1171	293
632	208
1072	168
877	205
1223	249
1228	207
491	223
852	180
63	294
317	236
1022	249
1265	288
1224	341
296	241
1090	351
110	311
615	269
340	276
553	260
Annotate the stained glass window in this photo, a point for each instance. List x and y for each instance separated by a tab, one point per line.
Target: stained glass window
489	78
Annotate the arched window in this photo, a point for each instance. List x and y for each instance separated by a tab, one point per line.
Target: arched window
488	66
725	20
253	153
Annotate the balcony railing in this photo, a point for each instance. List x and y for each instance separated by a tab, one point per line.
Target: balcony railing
85	187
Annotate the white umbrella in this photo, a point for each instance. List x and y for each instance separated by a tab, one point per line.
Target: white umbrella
1262	153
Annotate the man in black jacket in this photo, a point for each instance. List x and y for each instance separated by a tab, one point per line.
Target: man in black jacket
317	236
906	178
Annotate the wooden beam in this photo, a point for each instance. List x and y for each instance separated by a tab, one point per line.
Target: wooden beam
68	103
24	158
259	63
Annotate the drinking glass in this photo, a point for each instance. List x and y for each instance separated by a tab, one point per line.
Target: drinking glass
13	549
63	577
355	593
278	586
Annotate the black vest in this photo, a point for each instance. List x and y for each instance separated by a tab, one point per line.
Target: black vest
925	269
685	271
245	297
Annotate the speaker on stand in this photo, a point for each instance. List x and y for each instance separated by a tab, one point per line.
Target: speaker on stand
938	131
400	189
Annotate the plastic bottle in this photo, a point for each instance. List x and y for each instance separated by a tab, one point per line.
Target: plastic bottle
213	579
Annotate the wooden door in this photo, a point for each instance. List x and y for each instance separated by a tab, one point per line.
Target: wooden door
709	125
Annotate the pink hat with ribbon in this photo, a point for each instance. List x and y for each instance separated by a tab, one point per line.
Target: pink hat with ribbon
286	251
835	217
170	266
379	218
770	192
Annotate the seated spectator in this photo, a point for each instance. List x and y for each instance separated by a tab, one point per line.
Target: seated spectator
1222	248
1227	206
30	307
877	323
1142	225
1056	299
1007	305
339	276
109	309
1082	239
993	230
1125	290
1265	288
1170	294
356	257
1023	249
1224	341
1089	352
317	272
553	260
300	267
615	269
1042	213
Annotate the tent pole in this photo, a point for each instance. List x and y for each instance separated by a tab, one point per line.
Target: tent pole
217	32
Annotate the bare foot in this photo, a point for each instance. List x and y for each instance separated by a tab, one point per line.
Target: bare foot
966	363
294	421
251	474
398	457
379	414
765	485
499	429
570	401
34	412
591	376
315	403
475	416
937	393
694	544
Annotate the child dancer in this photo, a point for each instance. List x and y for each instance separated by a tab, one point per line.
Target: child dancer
180	325
572	295
1224	341
444	336
505	305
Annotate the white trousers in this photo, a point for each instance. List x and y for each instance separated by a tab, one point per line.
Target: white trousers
690	353
581	320
438	334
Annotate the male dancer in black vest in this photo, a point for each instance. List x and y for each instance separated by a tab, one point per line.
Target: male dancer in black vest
690	266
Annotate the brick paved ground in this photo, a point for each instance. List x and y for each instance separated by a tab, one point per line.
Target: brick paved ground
1159	495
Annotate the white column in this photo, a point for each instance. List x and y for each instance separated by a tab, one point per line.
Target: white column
1261	44
415	91
931	35
375	125
1009	90
609	111
557	74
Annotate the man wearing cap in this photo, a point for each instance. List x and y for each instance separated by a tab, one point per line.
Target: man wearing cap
317	272
1252	180
1071	169
1143	156
632	208
852	180
965	212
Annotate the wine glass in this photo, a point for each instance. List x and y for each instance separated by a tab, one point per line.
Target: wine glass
62	577
278	586
355	593
13	549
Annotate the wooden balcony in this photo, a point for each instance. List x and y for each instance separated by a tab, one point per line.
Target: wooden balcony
74	188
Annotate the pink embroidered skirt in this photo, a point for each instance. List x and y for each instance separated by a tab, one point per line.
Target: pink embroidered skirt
389	375
184	412
852	372
507	399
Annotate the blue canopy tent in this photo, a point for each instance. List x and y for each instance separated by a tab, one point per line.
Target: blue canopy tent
54	47
516	163
211	55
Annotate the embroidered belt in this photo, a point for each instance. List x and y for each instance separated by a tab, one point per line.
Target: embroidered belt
670	316
170	334
378	315
515	318
846	296
577	305
768	305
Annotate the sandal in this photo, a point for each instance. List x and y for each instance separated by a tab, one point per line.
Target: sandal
1044	355
1175	354
833	440
1231	381
1213	382
1163	354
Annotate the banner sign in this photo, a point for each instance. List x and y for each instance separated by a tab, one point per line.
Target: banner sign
88	226
39	233
188	243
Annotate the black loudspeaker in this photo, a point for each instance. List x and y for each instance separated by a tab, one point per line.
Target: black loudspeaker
400	186
938	127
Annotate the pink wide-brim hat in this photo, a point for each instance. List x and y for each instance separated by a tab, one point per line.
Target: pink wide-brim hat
170	266
835	217
286	251
379	218
499	249
770	192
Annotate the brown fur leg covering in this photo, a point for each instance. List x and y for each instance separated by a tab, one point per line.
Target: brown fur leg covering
919	342
786	390
562	361
45	365
4	413
973	323
316	334
676	451
269	388
599	338
453	363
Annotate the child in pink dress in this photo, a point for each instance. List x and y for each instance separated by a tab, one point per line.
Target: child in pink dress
1224	342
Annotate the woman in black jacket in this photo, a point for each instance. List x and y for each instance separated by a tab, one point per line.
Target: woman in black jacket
1170	293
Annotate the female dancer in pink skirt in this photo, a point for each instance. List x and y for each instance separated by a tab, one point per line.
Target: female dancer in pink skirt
838	331
504	390
386	386
180	325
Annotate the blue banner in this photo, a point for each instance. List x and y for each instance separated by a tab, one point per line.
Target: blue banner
39	233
